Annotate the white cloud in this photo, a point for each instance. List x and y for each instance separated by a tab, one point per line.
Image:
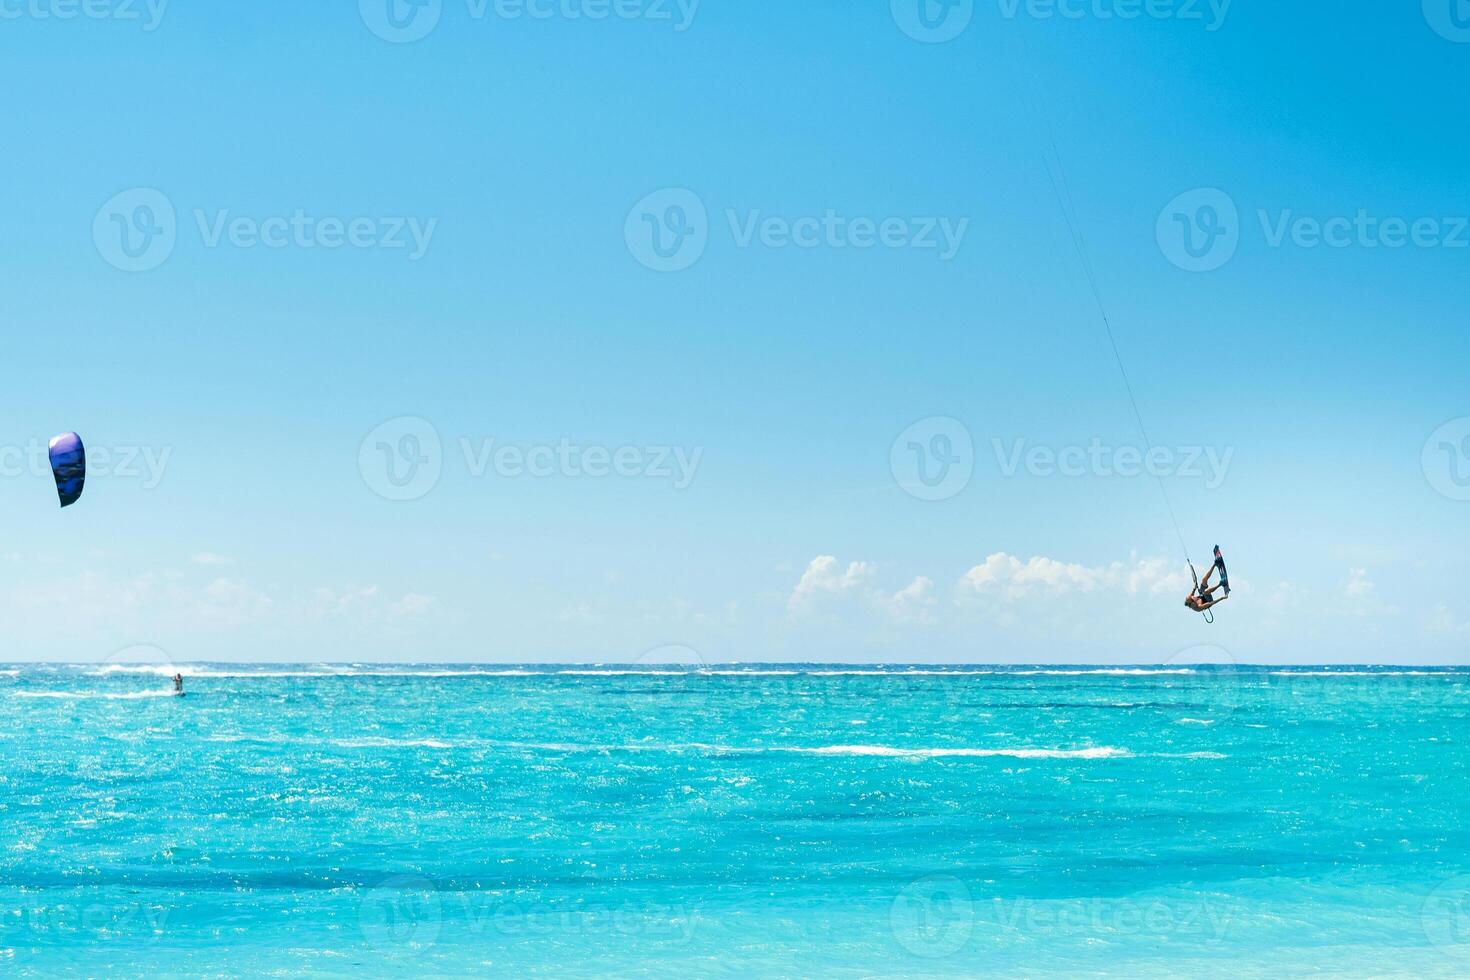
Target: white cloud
1360	596
1442	621
826	584
914	601
1359	585
1008	578
579	612
210	558
824	578
411	604
187	598
223	602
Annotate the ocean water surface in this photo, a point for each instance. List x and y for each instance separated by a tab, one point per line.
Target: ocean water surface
737	821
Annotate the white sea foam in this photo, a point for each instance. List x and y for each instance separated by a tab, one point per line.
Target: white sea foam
1104	752
259	739
1195	721
750	673
1101	752
376	742
1367	673
168	670
161	670
380	670
448	673
622	673
1036	672
1112	671
888	751
95	695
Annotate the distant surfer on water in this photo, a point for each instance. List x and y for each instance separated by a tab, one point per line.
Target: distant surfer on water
178	683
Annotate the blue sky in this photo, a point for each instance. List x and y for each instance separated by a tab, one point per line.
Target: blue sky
235	364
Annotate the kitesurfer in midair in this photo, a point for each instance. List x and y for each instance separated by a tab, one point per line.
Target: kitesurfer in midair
1203	596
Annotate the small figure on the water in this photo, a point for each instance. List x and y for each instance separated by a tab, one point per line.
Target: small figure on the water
178	683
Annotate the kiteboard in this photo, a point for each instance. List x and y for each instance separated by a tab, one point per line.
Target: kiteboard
1224	575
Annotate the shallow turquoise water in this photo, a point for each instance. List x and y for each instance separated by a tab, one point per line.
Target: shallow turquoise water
776	822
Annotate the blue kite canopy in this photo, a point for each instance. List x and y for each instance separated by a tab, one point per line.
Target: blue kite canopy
69	466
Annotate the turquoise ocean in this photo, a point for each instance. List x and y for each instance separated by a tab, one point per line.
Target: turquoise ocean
359	820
